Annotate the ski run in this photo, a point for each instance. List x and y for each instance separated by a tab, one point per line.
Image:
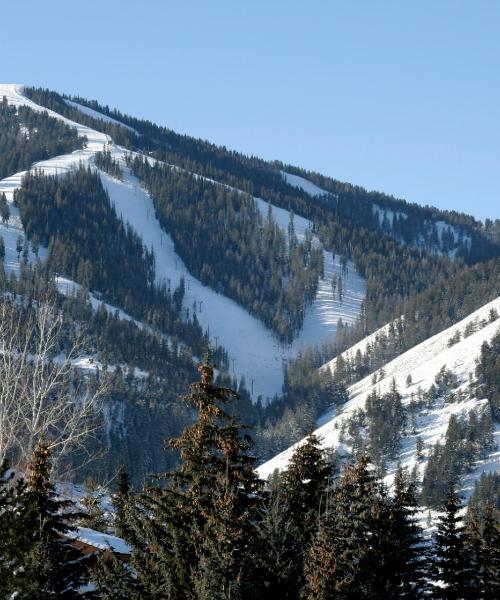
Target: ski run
254	352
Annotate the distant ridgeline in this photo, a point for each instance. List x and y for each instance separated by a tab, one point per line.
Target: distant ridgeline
367	227
425	227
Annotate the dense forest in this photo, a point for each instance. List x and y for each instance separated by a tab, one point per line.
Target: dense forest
344	220
210	528
254	175
226	243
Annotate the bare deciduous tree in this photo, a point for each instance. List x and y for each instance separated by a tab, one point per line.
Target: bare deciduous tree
42	395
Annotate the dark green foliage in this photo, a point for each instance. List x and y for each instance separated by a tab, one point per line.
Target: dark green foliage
305	482
303	487
385	422
4	209
465	442
105	161
28	136
55	102
486	492
10	530
411	558
451	561
280	553
196	533
120	499
225	242
483	548
345	221
355	552
488	374
73	216
51	566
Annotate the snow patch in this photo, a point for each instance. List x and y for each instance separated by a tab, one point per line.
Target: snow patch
304	184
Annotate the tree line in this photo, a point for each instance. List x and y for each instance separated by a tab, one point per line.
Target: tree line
212	529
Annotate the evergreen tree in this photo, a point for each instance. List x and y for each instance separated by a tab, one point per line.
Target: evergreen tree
350	557
195	537
483	548
51	566
120	500
10	530
451	570
280	552
4	208
94	516
409	558
305	482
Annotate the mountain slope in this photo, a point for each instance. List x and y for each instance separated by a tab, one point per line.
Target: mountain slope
254	351
423	364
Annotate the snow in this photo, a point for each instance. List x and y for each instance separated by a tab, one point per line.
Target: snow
99	540
304	184
422	362
253	349
12	230
383	213
322	316
97	115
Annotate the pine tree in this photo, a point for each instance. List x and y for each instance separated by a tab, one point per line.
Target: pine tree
305	482
120	500
280	555
483	547
4	208
194	537
10	529
51	566
94	516
451	565
303	486
409	557
350	557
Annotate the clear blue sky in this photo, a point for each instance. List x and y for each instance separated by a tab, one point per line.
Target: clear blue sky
402	97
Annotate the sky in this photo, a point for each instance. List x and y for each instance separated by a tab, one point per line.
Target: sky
399	97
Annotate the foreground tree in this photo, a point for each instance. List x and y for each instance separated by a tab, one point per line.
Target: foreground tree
41	396
366	544
483	549
50	564
10	530
195	537
452	572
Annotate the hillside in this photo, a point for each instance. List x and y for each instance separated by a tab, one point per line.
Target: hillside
161	245
227	324
458	350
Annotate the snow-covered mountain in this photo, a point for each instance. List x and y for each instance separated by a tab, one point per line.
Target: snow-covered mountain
254	351
376	252
415	371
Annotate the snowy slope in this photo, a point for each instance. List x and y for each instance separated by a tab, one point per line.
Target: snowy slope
97	115
253	350
304	184
13	230
386	218
422	362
